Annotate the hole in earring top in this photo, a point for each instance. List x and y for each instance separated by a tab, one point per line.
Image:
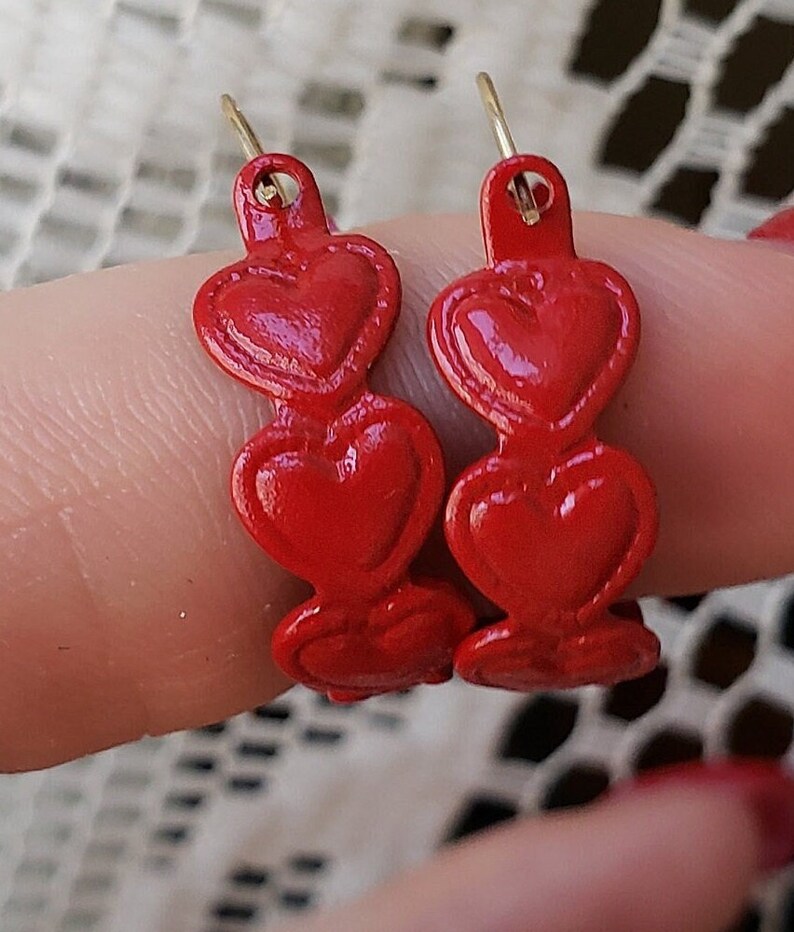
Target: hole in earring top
539	189
277	190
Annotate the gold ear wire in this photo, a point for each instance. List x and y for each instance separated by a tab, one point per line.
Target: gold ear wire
269	189
500	128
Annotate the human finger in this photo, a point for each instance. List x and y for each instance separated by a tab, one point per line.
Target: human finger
678	854
132	600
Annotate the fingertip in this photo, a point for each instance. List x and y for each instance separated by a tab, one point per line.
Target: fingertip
677	857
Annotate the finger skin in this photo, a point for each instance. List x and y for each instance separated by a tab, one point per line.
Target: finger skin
132	600
670	861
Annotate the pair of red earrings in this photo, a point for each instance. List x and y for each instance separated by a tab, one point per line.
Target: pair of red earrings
344	485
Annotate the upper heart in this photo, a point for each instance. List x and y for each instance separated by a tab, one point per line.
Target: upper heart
306	320
538	348
308	323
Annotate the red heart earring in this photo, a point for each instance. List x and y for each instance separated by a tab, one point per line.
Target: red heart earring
554	525
343	486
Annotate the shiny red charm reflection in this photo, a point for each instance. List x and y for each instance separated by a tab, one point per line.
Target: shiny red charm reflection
343	486
555	525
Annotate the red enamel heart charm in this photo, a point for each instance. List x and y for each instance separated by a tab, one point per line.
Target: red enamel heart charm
547	343
279	318
348	507
408	637
554	525
343	487
307	312
555	546
614	646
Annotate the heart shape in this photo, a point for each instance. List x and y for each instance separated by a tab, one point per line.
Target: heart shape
405	638
613	647
305	323
303	320
556	547
536	347
539	349
349	509
322	503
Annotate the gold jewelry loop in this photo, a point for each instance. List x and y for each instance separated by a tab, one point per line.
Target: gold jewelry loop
522	189
270	187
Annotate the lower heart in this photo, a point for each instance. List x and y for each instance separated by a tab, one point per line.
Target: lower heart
555	548
407	637
342	508
614	646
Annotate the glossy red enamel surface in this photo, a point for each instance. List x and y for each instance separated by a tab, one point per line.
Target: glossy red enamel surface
377	474
342	487
306	313
554	525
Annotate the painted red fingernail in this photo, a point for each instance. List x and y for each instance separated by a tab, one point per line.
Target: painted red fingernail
765	787
779	227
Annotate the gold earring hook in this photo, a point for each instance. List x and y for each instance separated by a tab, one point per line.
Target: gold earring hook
522	189
270	189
